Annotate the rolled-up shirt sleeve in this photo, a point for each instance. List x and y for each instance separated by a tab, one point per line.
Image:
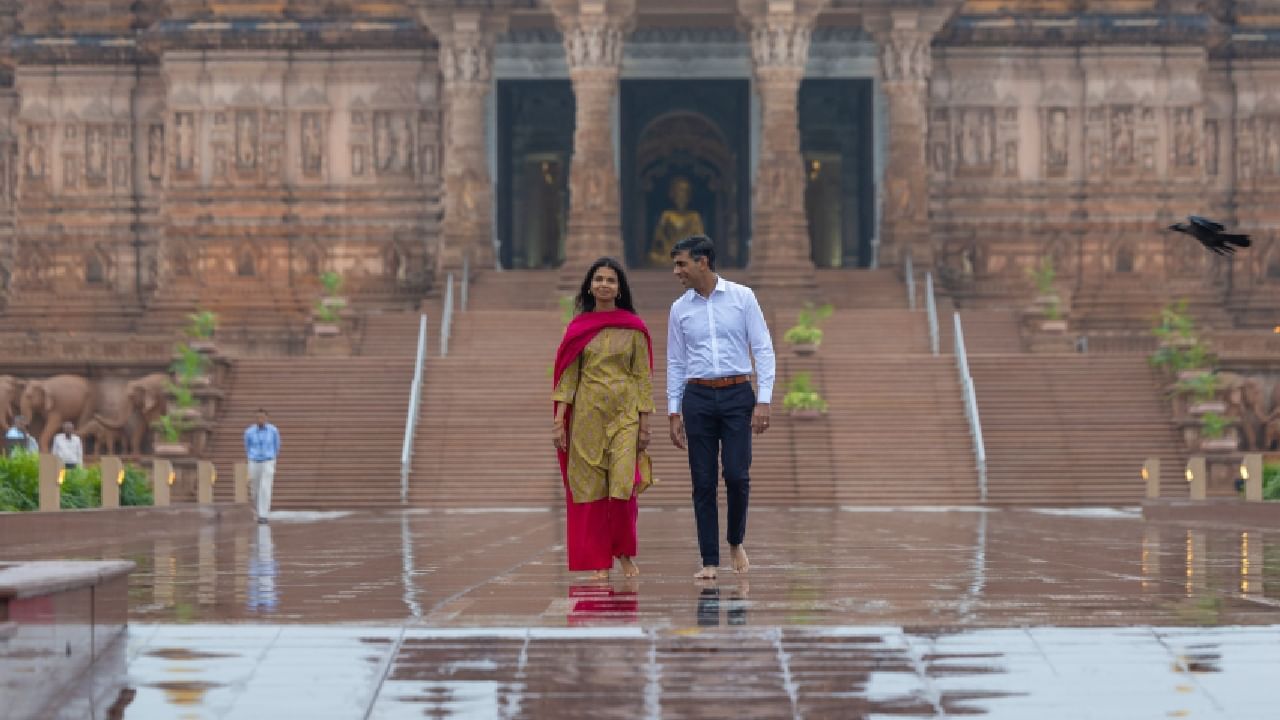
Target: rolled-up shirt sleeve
761	349
676	357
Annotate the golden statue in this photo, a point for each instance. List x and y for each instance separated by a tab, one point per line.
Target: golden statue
676	223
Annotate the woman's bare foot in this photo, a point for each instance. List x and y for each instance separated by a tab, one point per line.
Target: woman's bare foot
600	575
708	572
739	556
629	568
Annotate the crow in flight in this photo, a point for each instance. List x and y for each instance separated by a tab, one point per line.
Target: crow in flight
1211	235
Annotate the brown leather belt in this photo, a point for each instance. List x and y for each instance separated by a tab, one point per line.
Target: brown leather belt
720	382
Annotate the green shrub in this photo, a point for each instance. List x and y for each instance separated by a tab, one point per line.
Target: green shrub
1043	274
203	324
806	330
1213	425
802	396
19	482
136	489
189	365
331	282
81	487
326	313
1271	481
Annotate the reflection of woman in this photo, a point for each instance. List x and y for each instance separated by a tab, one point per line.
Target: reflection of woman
603	396
676	223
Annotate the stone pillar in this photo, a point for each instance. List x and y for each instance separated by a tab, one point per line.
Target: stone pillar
780	246
466	68
904	37
593	32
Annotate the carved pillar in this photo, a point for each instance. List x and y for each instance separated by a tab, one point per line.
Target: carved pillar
780	247
906	61
593	31
466	68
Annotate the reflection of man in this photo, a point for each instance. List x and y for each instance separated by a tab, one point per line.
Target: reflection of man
676	223
262	595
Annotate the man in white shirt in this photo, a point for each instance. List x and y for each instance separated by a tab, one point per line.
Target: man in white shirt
715	330
67	447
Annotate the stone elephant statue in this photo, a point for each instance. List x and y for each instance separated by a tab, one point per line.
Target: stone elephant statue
56	400
144	401
10	391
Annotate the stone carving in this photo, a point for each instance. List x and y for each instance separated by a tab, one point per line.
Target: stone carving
49	402
465	59
312	144
905	56
10	390
780	44
95	154
34	157
184	131
1270	160
1123	152
1184	137
120	175
357	160
975	138
1056	142
155	152
1211	147
594	45
70	171
275	155
246	140
392	142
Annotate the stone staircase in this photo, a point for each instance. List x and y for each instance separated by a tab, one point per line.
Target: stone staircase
341	423
1073	429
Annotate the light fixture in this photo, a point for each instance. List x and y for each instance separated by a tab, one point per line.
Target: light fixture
120	477
1190	475
213	477
62	475
1145	475
172	476
1244	471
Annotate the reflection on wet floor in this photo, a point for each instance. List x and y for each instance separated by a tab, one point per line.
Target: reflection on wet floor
846	614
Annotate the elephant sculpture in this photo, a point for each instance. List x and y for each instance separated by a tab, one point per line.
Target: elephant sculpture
144	401
10	391
105	439
56	400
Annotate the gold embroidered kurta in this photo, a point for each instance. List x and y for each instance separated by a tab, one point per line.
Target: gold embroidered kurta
608	386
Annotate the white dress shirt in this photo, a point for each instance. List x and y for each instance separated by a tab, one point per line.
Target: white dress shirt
717	337
69	449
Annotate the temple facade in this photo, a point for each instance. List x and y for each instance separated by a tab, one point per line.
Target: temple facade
198	148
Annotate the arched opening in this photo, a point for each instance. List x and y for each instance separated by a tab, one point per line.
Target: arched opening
246	264
95	271
1124	259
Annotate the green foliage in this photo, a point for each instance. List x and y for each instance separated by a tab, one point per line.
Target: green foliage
1174	322
1201	387
331	282
1271	481
568	308
806	331
325	313
1043	274
189	365
1177	359
81	487
802	396
171	426
183	397
1213	425
203	324
1052	311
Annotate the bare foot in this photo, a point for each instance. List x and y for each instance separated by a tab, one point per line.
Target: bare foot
600	575
629	568
708	572
740	562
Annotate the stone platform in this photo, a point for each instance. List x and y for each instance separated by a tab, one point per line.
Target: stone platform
847	613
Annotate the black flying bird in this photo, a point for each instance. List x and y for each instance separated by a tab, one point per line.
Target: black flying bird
1211	235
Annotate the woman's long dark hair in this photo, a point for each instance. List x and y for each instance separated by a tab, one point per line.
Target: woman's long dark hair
586	302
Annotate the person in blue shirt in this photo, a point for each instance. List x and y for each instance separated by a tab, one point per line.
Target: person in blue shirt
715	331
261	445
16	438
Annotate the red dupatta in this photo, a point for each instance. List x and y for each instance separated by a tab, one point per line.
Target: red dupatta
577	336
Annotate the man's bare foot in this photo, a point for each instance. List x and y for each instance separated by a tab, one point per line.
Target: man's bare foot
600	575
739	556
629	568
708	572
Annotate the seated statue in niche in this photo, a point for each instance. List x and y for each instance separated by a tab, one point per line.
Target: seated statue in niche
676	223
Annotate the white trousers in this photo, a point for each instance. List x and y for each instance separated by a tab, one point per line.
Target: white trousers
261	475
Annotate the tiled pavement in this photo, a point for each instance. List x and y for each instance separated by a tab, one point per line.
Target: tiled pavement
848	613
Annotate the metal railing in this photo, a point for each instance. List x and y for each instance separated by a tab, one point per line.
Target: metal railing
909	270
932	306
971	409
415	401
446	317
466	281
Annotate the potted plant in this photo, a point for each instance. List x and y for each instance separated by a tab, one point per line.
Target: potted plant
805	336
332	284
200	331
1203	389
325	321
185	400
801	400
190	366
1043	275
168	441
1216	433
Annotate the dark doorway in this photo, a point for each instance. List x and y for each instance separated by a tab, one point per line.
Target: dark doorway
535	143
837	140
684	167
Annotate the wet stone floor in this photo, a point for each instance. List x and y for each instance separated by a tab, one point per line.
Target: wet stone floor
846	613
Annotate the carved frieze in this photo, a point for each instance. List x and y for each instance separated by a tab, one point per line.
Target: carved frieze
1056	142
905	56
393	144
311	136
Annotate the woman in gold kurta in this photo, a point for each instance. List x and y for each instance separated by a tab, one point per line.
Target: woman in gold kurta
603	397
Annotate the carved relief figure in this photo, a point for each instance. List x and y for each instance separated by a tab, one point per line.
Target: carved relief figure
246	140
383	150
1271	148
1056	138
35	153
1122	131
70	171
403	137
1184	137
392	142
357	160
312	149
155	152
1211	147
95	153
676	223
184	131
976	140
